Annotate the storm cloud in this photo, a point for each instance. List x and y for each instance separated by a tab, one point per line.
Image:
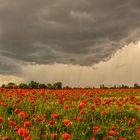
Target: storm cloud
80	32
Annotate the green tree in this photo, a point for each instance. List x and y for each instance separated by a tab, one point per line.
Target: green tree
3	86
136	85
23	86
57	85
42	86
49	86
33	85
10	85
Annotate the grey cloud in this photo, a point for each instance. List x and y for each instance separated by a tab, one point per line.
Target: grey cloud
82	32
8	66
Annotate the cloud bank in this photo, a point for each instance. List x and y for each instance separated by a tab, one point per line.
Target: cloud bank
82	32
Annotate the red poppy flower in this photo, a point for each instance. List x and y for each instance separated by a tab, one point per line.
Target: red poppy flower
52	123
1	119
82	112
80	119
134	120
112	133
103	113
67	122
23	132
12	123
81	105
27	138
54	136
66	136
27	124
17	110
66	107
129	123
122	139
113	128
96	129
55	116
138	133
22	114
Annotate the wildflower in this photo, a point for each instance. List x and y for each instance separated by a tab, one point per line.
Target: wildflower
12	123
22	114
134	120
54	136
112	133
27	124
132	97
113	128
137	103
136	109
38	119
92	108
1	119
80	119
119	104
138	133
66	107
52	123
27	138
129	123
67	122
103	113
82	112
75	118
17	110
23	132
81	105
66	136
55	116
122	138
95	129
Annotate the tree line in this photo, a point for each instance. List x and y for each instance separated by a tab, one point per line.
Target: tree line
58	85
119	86
33	85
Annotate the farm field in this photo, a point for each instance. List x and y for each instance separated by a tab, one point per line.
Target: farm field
82	114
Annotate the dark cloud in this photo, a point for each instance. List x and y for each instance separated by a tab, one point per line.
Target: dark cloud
82	32
8	66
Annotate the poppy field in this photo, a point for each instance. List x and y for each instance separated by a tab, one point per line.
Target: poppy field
75	114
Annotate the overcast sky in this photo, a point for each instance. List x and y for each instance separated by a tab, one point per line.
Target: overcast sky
80	42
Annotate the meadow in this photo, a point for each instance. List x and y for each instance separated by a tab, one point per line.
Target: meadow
76	114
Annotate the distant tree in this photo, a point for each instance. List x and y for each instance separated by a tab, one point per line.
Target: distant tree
114	86
3	86
136	85
23	86
49	86
33	85
66	87
103	86
42	86
124	86
57	85
10	85
87	87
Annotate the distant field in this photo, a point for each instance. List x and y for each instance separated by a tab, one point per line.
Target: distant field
93	114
